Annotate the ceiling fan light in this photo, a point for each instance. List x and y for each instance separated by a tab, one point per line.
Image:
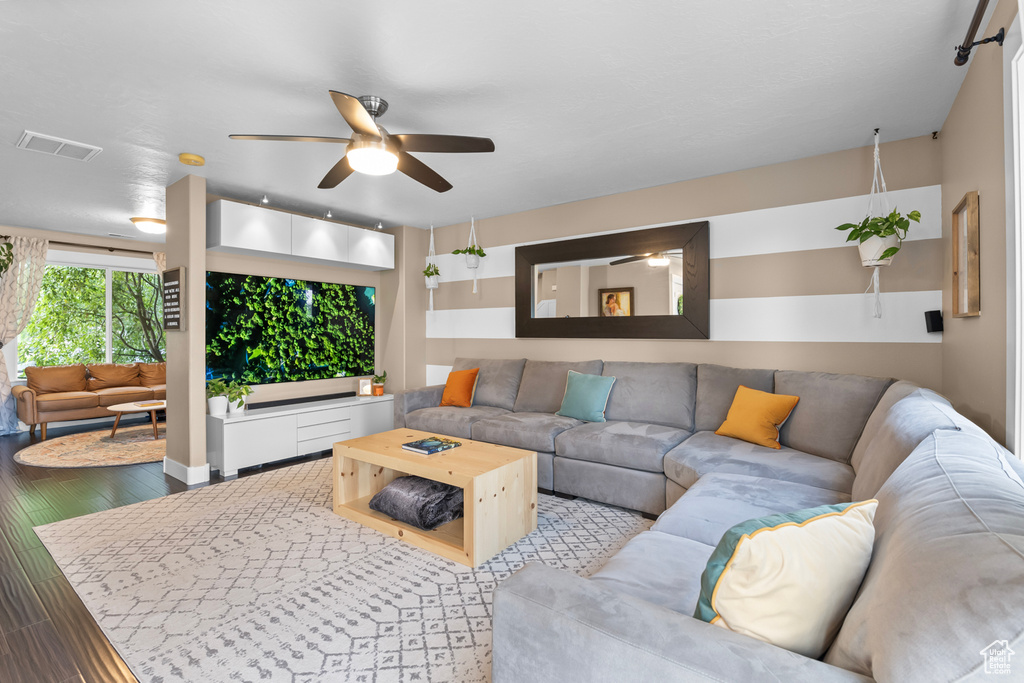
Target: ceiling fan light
153	226
658	260
371	157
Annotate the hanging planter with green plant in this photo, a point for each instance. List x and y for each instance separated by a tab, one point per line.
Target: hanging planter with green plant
880	237
430	274
473	251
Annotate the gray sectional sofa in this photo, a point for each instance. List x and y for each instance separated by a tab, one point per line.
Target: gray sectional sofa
947	574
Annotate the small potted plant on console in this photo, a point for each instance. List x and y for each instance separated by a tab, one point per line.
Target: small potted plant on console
378	383
216	397
237	392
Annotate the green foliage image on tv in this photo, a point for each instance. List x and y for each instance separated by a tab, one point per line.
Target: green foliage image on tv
263	330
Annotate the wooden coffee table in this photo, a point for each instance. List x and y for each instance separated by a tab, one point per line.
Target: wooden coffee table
500	485
137	407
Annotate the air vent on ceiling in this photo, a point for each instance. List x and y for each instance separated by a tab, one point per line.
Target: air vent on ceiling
117	234
47	144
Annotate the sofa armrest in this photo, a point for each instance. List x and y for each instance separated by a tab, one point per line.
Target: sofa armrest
26	403
551	625
415	399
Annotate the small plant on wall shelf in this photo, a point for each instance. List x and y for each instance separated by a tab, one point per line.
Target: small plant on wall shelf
883	234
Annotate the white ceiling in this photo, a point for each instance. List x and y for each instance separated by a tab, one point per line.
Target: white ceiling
582	97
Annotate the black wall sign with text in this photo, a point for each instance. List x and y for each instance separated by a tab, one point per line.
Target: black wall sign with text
174	299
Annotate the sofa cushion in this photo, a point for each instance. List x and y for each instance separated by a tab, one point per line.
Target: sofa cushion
716	388
720	501
497	384
450	421
543	384
706	452
832	411
905	425
659	393
755	416
66	400
111	396
659	568
788	579
56	378
159	391
106	375
586	397
635	445
947	576
152	373
532	431
895	392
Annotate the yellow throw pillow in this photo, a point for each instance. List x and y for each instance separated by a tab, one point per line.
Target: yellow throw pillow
756	416
460	388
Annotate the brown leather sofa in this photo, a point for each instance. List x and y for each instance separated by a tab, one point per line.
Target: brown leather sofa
79	392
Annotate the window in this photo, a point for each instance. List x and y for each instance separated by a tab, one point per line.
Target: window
91	312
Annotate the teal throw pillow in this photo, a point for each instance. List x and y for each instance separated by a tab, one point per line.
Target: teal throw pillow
586	396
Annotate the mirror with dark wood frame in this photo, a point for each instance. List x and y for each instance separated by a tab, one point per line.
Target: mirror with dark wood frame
640	284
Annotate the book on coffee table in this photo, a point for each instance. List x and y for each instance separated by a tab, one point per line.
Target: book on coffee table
431	445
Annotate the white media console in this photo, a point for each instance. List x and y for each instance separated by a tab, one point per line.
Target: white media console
263	435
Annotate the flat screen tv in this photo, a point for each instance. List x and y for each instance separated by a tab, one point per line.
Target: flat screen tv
264	330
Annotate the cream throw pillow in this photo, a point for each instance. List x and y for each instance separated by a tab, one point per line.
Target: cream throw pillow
789	579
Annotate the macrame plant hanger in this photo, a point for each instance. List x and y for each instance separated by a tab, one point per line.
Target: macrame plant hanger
472	258
879	194
431	260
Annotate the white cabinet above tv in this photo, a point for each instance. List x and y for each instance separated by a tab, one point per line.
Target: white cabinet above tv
244	229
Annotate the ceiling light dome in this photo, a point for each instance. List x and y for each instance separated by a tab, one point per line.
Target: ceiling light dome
372	157
154	226
658	260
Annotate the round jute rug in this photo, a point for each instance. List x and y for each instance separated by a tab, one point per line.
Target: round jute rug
130	446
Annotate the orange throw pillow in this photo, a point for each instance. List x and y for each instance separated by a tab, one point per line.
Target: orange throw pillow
756	416
460	388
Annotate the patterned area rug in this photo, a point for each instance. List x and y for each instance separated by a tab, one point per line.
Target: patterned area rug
258	580
130	446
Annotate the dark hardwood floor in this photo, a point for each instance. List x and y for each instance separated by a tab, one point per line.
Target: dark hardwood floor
46	633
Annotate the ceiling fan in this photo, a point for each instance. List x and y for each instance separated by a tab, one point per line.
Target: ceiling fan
653	259
374	151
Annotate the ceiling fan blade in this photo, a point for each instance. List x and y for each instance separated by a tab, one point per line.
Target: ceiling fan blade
355	114
444	143
629	259
421	173
339	172
291	138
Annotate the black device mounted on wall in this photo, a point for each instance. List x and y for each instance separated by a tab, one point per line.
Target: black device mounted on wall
933	321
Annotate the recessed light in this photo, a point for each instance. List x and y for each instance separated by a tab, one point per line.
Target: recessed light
153	226
191	159
265	200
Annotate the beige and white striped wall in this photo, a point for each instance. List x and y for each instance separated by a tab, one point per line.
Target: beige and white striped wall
787	291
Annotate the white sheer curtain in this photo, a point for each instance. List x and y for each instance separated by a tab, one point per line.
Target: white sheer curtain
19	288
161	262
